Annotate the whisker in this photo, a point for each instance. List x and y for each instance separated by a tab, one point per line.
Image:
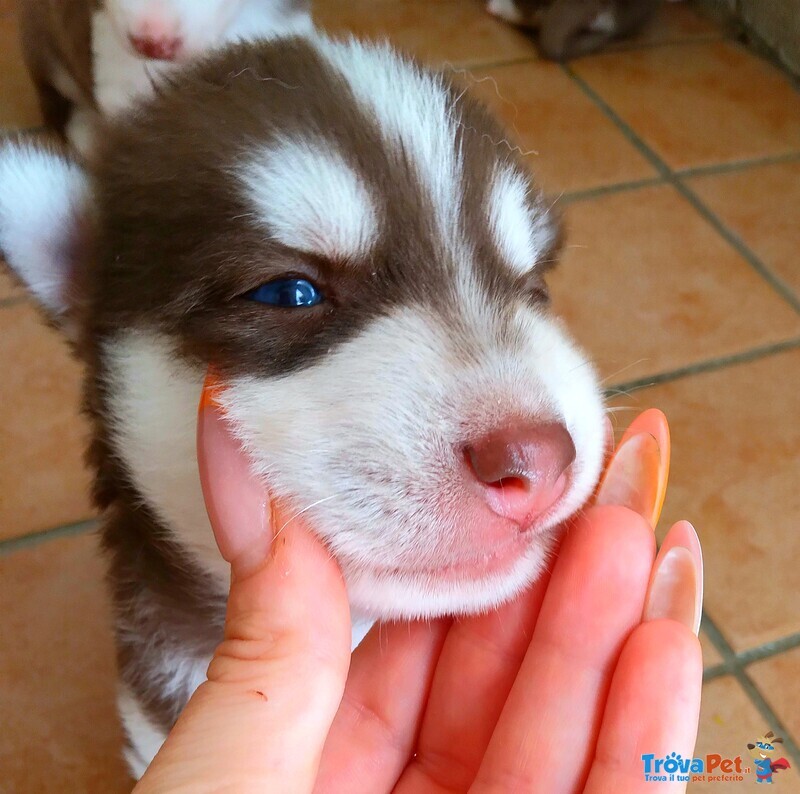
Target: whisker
623	369
304	510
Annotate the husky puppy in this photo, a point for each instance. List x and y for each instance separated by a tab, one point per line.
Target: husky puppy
336	230
87	56
570	28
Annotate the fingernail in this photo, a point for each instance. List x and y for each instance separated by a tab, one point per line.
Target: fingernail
676	588
636	477
210	395
237	502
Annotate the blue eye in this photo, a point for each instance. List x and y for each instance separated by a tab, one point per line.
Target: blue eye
287	293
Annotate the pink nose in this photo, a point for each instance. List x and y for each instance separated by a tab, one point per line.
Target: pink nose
522	470
161	48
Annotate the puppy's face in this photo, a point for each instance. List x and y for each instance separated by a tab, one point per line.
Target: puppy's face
341	237
181	29
171	29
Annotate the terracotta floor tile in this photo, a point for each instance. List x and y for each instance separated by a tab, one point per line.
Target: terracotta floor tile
711	656
699	103
734	474
572	145
42	480
454	31
760	206
60	728
647	285
778	679
18	104
728	721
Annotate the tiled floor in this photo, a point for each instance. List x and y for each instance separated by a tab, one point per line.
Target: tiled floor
676	157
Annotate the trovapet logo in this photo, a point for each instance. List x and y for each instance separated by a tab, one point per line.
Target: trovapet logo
762	752
713	768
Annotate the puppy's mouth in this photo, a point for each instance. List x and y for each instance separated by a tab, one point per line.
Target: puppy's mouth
492	562
489	550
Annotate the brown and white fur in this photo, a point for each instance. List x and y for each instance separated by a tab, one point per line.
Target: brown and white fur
390	187
571	28
90	56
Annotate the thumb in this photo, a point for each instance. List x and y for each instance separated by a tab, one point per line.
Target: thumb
276	681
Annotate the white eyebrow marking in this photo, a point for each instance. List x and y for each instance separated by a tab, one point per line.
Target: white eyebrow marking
311	199
521	229
414	113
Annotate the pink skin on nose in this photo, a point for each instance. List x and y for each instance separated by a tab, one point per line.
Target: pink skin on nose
522	470
157	48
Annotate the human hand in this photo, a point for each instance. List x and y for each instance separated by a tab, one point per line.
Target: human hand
562	689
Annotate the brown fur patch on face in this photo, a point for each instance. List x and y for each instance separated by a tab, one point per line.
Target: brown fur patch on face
178	245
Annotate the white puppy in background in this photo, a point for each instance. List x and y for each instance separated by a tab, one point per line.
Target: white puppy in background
86	57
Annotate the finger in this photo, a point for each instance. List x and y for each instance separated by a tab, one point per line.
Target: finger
652	710
654	703
676	584
276	680
545	736
375	730
475	673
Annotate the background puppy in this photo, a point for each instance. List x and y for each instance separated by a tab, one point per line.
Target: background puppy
570	28
336	231
86	56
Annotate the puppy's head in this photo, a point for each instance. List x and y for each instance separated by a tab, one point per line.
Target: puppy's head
181	29
341	236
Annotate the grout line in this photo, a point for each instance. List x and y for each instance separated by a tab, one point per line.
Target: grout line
717	671
14	300
623	126
737	165
752	655
664	170
13	545
626	45
736	242
769	649
731	665
710	365
468	66
770	717
604	190
719	642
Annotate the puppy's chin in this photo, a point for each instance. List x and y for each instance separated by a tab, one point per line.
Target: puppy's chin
480	586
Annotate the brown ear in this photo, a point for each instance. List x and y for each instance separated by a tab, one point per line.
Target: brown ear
777	740
768	735
751	747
